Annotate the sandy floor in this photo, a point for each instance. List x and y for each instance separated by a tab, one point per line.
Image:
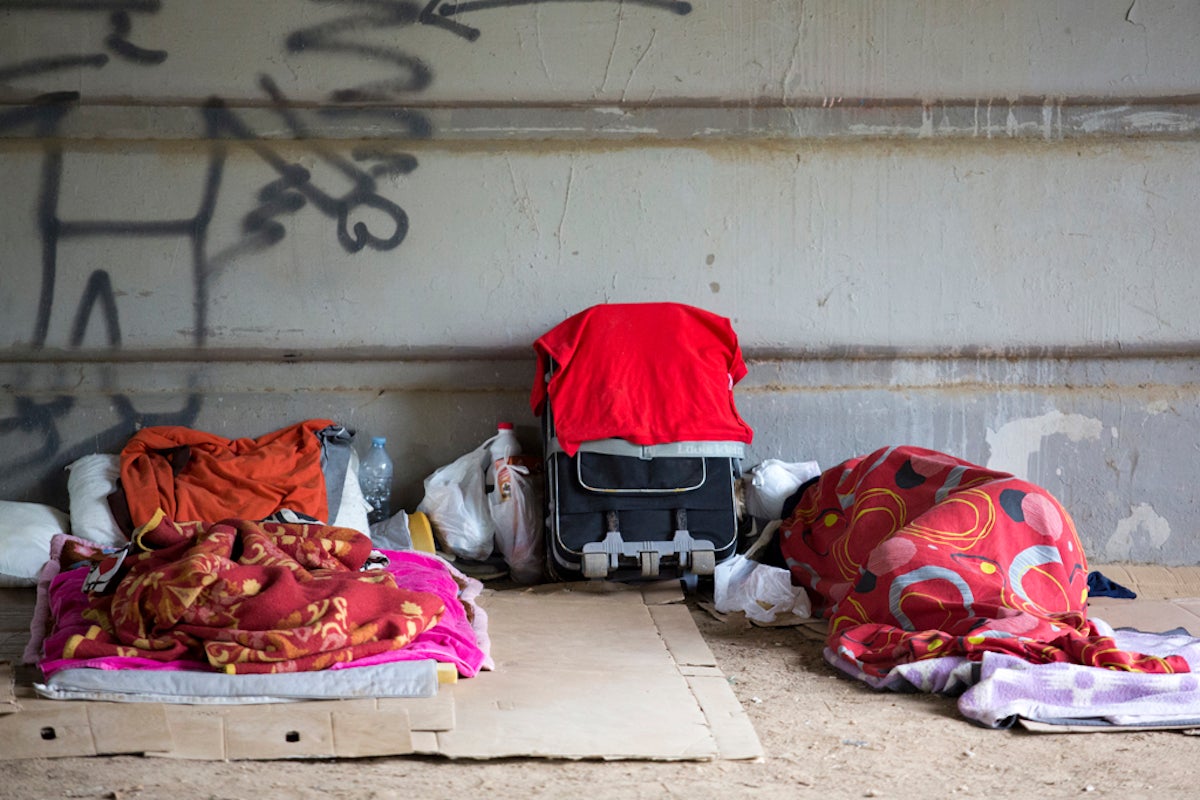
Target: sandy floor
824	736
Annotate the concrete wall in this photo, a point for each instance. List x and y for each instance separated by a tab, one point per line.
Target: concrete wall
964	225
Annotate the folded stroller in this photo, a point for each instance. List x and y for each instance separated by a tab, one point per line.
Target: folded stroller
643	443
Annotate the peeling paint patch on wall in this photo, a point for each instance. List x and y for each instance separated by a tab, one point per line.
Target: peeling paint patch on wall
1012	445
1143	531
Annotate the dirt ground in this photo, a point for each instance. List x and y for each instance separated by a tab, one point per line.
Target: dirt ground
824	736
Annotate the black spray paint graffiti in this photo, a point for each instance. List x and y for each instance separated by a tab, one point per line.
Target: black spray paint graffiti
117	42
294	188
440	13
39	418
339	36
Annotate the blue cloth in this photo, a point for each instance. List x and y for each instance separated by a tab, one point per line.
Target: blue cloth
1100	586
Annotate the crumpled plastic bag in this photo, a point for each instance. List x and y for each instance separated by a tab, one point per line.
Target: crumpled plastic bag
772	482
392	533
516	506
456	503
761	591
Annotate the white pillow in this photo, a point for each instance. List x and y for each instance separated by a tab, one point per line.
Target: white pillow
352	512
90	481
25	533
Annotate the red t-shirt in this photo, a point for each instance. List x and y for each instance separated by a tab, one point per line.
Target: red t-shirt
650	373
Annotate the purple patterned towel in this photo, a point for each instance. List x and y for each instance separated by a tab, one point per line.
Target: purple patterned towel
1001	689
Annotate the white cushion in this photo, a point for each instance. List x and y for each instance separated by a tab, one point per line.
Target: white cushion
25	533
90	480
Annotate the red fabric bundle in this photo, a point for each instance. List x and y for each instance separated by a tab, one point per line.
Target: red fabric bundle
649	373
914	554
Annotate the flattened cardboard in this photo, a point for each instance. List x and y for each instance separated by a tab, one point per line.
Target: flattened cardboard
1167	598
8	697
273	732
1154	581
52	733
731	728
313	729
595	673
53	729
41	728
358	735
425	743
588	715
1152	616
424	713
678	632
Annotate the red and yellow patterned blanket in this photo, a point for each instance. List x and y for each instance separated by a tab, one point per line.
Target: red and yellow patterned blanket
914	554
252	597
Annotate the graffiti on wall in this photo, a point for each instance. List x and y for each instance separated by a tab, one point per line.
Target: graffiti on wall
87	300
117	43
442	14
36	419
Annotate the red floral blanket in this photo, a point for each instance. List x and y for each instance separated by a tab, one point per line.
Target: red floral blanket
252	597
914	554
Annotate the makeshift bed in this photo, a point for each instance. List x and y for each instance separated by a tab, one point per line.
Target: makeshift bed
936	574
203	590
206	572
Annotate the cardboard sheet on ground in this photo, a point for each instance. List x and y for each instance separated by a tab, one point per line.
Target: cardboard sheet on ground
603	675
1168	598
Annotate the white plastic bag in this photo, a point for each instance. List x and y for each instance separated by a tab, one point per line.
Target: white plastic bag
456	502
772	482
392	533
516	507
760	590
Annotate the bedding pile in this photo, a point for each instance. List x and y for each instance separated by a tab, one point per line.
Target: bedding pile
230	568
248	597
937	574
69	616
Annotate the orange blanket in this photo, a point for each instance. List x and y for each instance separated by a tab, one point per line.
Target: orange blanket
197	476
252	597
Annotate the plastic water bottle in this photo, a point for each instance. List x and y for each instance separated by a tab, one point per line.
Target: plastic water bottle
375	478
504	445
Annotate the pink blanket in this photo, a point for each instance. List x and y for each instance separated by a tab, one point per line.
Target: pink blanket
458	638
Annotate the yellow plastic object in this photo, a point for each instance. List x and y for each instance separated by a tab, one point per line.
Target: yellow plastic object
447	673
421	532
